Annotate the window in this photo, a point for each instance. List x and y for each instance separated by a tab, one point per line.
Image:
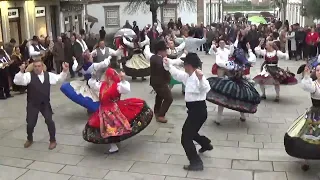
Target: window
112	15
169	13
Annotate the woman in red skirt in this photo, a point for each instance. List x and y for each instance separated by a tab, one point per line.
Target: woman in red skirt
116	120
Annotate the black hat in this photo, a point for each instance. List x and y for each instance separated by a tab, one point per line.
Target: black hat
35	38
160	46
192	59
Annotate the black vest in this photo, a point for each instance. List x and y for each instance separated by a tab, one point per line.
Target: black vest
38	93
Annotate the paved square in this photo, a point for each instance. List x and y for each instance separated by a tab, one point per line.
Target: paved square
242	151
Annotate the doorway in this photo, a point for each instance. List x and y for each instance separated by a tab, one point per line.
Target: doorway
15	26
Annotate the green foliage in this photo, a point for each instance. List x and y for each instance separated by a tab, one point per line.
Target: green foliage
313	8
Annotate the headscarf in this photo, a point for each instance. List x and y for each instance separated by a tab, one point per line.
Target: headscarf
113	75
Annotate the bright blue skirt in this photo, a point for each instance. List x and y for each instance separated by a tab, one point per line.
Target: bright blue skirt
84	101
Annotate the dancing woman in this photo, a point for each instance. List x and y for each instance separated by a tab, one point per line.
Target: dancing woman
302	140
79	91
234	92
137	65
115	120
271	74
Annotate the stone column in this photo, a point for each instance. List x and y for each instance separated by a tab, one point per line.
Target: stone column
200	11
5	21
30	17
48	19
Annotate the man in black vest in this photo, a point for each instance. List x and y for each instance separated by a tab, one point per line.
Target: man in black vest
36	50
159	80
38	97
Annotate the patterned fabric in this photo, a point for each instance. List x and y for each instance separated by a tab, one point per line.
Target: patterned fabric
138	123
275	75
138	61
234	93
113	122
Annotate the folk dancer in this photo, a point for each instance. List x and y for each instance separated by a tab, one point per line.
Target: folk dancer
79	91
230	80
38	97
136	64
115	120
271	74
197	87
159	80
101	53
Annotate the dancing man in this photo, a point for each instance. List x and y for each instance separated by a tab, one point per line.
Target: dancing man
38	97
197	87
159	80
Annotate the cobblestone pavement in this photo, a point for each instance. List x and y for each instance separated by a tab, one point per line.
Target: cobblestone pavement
242	151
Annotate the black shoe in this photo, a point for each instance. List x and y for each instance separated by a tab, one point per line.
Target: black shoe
204	149
134	78
143	79
263	97
277	99
217	123
194	167
242	119
3	98
9	96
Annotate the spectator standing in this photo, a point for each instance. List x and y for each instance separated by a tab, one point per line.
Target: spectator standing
102	33
58	54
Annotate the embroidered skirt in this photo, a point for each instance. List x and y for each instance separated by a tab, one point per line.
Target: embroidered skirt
233	93
276	75
138	117
137	66
302	139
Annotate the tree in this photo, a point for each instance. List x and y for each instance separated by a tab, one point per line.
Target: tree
312	8
154	5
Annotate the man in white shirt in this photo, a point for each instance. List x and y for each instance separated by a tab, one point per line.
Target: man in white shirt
223	54
82	43
197	87
38	97
36	50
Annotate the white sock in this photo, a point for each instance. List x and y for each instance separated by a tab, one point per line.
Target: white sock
220	111
263	89
242	116
113	148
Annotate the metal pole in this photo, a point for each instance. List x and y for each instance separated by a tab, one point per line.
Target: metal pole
210	10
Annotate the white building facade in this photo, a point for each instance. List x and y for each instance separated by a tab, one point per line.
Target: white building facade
113	15
293	13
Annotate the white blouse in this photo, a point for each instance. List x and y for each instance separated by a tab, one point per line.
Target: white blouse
123	87
195	90
313	87
263	52
93	67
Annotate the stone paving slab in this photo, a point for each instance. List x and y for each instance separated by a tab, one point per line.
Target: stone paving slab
251	150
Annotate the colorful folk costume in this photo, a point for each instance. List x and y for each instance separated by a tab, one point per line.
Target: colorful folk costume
302	139
79	91
271	74
115	120
136	65
233	91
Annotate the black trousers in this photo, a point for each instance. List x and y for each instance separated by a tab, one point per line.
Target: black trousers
32	118
4	83
197	115
300	50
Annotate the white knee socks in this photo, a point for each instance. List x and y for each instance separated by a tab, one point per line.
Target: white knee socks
263	90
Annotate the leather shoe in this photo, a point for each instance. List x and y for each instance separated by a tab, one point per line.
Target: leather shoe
194	167
52	145
161	119
27	144
204	149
